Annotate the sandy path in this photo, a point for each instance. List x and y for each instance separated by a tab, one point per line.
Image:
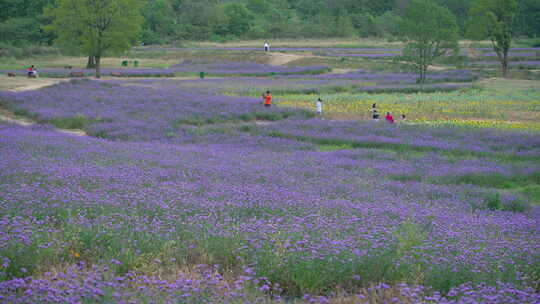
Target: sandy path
21	85
18	84
279	58
9	117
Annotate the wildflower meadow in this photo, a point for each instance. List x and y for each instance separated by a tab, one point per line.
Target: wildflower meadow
189	190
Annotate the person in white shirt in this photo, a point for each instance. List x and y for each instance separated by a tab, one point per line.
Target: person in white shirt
266	47
319	106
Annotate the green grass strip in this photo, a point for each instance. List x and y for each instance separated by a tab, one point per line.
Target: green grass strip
398	147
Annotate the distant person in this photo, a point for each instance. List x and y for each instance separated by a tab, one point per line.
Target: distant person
266	47
32	72
389	118
319	106
403	117
267	97
374	112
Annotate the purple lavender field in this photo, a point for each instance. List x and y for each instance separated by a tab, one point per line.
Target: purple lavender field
186	193
245	68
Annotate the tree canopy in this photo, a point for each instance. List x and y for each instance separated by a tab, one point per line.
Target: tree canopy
96	27
219	20
430	31
493	19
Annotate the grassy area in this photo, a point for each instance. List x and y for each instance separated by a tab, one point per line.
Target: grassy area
499	103
80	62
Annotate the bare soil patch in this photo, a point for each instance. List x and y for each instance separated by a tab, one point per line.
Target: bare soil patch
10	117
19	84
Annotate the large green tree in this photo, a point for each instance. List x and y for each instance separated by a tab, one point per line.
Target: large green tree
493	19
429	31
96	27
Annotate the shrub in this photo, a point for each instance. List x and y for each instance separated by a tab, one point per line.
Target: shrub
78	122
493	202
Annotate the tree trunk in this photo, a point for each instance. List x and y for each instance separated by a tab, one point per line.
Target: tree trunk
423	71
91	62
98	66
505	65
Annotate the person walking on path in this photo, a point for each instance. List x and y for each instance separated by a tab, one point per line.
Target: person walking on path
389	118
267	97
374	112
266	47
319	106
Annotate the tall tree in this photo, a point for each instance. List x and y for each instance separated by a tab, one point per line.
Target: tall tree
96	27
528	18
493	19
430	31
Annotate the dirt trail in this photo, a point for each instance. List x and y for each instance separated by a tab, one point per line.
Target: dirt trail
278	58
6	115
21	86
9	117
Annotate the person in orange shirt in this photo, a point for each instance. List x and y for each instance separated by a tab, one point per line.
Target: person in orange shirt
267	99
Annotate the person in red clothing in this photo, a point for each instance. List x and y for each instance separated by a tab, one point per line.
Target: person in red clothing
32	71
389	117
267	99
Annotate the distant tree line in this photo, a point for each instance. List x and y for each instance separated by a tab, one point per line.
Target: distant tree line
22	21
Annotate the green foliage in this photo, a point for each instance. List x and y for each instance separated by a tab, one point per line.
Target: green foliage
494	202
528	18
238	19
96	27
365	23
168	21
20	31
493	19
21	8
387	24
430	31
77	122
26	50
158	21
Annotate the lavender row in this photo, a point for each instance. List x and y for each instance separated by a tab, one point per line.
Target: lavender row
137	112
212	68
514	54
381	55
439	138
305	49
125	72
511	63
250	68
447	76
278	49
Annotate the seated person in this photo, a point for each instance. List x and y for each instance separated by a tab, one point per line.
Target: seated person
32	72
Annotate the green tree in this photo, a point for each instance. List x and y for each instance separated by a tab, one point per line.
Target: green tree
20	31
96	27
528	18
158	22
493	19
430	31
238	18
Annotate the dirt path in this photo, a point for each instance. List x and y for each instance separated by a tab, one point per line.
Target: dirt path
278	58
19	84
23	84
6	115
9	117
